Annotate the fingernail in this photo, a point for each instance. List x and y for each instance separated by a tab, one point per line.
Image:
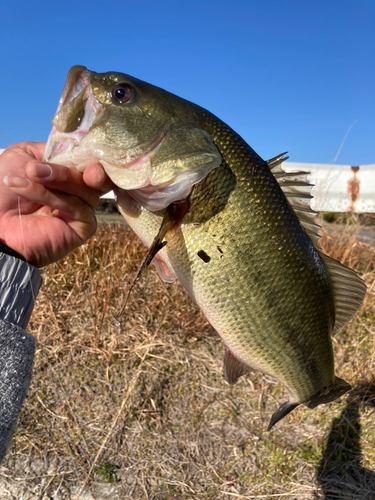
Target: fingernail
42	170
12	181
99	172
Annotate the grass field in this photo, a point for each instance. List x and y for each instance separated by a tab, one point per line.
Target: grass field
142	411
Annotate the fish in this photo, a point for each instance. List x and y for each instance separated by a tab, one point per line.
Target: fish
236	230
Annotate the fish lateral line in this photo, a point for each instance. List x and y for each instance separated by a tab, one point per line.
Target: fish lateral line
174	213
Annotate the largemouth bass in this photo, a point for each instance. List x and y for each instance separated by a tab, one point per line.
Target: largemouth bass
237	231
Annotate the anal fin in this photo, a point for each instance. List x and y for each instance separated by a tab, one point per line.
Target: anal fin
233	367
282	412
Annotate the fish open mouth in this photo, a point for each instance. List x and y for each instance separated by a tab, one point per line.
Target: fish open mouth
77	141
78	110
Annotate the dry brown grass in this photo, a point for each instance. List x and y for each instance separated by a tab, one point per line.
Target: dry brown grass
143	412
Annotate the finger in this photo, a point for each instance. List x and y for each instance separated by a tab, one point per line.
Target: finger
96	177
63	205
33	149
60	178
15	158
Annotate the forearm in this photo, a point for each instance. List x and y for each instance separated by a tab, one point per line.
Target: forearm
19	285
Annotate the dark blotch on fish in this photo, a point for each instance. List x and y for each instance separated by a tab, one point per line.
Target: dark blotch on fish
202	255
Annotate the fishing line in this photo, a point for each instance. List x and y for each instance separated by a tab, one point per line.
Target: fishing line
174	213
341	145
24	249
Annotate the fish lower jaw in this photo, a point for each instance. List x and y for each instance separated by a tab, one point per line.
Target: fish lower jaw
152	196
132	171
67	153
58	144
159	196
137	177
62	143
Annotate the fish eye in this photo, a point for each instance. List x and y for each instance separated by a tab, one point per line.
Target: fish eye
122	93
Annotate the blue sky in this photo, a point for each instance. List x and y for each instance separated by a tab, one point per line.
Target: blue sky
286	75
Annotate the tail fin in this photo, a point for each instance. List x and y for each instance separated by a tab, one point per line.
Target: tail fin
281	413
328	394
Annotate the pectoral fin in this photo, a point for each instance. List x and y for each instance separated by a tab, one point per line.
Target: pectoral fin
157	245
174	213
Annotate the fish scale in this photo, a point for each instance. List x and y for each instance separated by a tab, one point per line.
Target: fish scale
260	317
236	231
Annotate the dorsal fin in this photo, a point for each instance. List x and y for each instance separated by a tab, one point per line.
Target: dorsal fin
349	288
298	192
349	291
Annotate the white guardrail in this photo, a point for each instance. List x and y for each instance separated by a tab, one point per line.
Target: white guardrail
337	188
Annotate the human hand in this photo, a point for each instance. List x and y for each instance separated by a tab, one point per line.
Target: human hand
43	218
